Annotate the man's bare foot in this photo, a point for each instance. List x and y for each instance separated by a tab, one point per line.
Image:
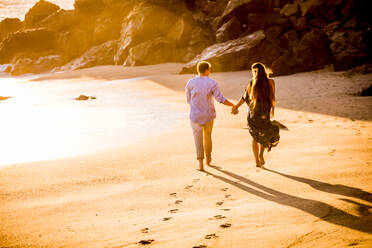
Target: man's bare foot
201	165
209	160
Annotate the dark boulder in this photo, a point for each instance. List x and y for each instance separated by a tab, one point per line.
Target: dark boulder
43	64
98	55
290	9
242	7
38	12
9	25
330	28
280	3
300	24
329	10
268	51
145	22
200	39
33	43
229	31
313	51
232	55
156	51
286	64
361	69
274	33
272	47
290	39
349	49
365	91
264	21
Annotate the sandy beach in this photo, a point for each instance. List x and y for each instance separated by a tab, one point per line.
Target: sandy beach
136	179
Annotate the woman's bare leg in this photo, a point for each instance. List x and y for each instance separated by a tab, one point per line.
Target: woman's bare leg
255	152
261	154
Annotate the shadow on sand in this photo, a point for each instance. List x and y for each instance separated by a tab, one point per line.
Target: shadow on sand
338	189
316	208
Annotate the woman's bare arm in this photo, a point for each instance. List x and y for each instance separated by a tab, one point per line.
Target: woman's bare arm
272	85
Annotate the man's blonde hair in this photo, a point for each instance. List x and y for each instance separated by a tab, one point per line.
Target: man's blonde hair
203	66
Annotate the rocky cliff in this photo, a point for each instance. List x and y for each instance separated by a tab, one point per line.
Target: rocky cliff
287	35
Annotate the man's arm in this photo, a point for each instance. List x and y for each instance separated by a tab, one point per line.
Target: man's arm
188	95
219	97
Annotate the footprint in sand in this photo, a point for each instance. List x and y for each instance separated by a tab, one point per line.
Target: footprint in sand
178	201
145	230
210	236
226	225
189	186
219	203
227	196
167	218
195	180
224	189
225	209
173	210
200	246
332	153
146	241
218	217
173	194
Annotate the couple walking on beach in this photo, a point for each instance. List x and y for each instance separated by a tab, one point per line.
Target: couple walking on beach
259	95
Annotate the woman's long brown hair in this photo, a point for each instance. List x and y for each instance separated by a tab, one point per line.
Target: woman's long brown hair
261	89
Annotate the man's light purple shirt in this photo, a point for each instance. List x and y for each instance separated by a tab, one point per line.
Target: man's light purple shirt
199	93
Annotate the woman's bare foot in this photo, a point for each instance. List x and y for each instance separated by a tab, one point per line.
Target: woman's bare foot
258	163
209	160
262	160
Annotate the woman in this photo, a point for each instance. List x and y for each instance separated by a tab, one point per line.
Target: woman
260	97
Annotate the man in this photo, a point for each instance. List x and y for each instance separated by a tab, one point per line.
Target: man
200	92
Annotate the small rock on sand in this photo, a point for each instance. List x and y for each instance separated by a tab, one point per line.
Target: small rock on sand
2	98
84	98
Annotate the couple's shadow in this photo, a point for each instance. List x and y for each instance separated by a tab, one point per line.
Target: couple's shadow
316	208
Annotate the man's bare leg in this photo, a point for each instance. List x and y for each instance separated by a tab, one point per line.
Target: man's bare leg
201	164
207	134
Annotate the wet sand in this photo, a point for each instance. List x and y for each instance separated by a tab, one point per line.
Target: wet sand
315	189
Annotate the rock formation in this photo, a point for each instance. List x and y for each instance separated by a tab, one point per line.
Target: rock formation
289	36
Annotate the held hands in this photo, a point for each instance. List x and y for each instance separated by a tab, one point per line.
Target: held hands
234	110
